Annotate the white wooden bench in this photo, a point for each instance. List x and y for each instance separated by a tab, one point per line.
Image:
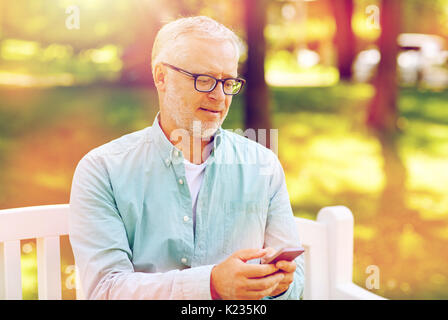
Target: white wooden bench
328	257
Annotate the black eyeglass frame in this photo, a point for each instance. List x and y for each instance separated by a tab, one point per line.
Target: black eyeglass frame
196	75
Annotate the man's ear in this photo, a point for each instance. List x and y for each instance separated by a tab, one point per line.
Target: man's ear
160	77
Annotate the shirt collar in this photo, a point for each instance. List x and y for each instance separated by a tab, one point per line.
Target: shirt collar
168	151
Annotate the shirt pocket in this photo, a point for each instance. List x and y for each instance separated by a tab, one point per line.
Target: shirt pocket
244	225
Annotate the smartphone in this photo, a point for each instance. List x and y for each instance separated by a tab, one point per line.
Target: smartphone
288	254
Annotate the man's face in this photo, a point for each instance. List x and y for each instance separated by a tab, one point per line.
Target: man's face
182	107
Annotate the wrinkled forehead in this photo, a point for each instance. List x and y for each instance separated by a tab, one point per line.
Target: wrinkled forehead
204	55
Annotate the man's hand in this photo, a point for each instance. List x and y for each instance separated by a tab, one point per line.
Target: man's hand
234	279
285	267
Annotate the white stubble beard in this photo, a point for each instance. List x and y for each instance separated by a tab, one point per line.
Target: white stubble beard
184	118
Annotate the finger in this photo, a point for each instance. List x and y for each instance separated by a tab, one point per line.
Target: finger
288	266
264	283
281	288
289	277
258	270
270	251
257	295
249	254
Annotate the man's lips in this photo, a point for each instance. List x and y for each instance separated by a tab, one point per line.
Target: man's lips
210	110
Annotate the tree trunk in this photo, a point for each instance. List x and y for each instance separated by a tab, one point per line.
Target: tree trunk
256	111
344	37
136	57
382	111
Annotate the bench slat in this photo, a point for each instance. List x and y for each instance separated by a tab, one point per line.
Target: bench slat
49	268
33	222
10	270
314	240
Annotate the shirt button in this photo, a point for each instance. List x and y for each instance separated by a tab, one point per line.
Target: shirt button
184	260
167	161
181	181
176	153
186	218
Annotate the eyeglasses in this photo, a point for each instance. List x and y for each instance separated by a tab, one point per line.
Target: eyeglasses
207	83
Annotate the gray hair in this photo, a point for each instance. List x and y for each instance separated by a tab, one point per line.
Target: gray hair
201	26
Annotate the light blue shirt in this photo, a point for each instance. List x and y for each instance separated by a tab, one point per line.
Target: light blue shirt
131	220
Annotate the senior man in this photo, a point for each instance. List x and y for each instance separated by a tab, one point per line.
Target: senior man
184	209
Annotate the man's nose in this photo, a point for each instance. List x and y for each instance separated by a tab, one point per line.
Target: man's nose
218	92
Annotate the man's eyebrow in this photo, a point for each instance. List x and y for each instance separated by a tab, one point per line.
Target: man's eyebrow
225	75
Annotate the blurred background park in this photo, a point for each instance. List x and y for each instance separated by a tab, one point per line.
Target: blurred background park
358	90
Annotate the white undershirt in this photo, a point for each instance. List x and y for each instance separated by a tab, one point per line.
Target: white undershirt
194	173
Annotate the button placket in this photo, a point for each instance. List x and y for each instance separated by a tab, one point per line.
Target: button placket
178	166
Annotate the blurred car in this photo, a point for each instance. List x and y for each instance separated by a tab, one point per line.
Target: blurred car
421	60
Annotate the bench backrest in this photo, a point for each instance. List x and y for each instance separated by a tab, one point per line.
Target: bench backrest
328	256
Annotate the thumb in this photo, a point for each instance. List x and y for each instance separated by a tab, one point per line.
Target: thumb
249	254
269	252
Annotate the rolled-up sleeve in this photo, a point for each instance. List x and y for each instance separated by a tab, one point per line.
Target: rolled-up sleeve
101	248
281	229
